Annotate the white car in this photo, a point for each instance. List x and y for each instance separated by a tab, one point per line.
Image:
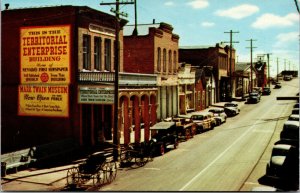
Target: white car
219	114
233	107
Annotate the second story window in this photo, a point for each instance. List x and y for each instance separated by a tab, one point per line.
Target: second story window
107	54
97	53
175	62
170	61
86	52
165	60
158	59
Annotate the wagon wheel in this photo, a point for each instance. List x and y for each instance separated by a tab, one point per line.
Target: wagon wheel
141	160
111	171
72	176
126	156
99	178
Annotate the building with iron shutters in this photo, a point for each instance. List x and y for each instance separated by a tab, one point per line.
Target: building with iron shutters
58	79
155	51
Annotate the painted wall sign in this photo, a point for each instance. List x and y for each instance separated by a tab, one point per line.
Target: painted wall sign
45	55
38	100
95	95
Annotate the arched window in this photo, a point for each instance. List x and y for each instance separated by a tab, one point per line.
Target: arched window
165	60
175	62
158	59
170	61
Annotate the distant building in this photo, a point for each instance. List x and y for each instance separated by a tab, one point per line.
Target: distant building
216	57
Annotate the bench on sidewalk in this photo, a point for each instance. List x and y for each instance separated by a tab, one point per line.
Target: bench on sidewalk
55	149
16	159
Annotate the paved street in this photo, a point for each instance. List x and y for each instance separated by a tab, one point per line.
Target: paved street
232	157
218	160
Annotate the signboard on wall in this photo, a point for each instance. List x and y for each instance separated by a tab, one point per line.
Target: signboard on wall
38	100
45	54
96	95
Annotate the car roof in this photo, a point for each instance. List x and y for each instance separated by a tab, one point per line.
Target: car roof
162	125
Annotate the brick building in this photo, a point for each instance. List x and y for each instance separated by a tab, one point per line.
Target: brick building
218	57
155	51
58	78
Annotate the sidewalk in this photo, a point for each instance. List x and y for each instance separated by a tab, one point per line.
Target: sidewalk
47	178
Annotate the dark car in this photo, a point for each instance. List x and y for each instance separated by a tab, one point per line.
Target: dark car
254	97
163	135
277	86
266	91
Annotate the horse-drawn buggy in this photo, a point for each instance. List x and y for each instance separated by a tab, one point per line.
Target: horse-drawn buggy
98	169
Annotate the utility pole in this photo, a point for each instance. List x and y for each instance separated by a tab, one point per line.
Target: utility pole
277	69
135	31
268	56
251	65
116	133
230	59
284	64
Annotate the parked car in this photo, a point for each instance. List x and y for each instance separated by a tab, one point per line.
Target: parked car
277	86
284	167
258	90
219	115
254	97
184	126
164	134
231	109
296	105
290	133
202	121
293	117
266	91
295	111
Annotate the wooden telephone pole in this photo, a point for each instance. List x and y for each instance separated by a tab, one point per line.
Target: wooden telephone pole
251	63
230	59
116	133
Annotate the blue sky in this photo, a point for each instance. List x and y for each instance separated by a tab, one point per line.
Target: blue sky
274	24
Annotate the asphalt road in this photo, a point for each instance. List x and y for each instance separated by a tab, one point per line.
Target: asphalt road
218	160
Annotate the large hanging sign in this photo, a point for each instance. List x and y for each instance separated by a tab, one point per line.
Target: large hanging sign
37	100
45	55
95	95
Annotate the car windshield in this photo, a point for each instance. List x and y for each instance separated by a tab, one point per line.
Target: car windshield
197	117
229	105
253	94
266	89
293	118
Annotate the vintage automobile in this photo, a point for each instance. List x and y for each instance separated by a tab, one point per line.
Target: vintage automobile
219	115
277	86
290	133
283	165
295	111
231	109
254	97
266	91
293	117
185	127
163	135
203	121
258	90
